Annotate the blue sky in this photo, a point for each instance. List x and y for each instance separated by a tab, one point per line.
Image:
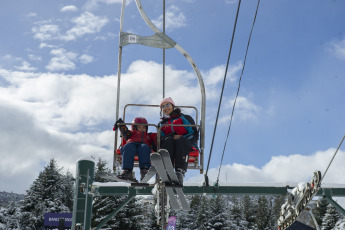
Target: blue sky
58	76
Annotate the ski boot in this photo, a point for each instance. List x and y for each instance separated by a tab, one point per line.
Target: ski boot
127	175
180	175
143	173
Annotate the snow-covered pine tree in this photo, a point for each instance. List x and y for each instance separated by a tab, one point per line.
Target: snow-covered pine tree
340	225
151	222
46	195
320	211
67	189
204	213
278	202
219	216
249	211
237	219
191	217
9	217
331	218
264	218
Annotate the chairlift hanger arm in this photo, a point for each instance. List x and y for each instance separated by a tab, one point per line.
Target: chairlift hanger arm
195	68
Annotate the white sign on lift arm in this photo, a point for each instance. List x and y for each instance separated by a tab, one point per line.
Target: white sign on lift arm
132	38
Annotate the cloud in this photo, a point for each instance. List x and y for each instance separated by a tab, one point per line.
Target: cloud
85	59
46	32
32	14
86	23
283	169
93	4
61	116
62	60
338	48
244	109
69	8
214	77
34	57
174	19
25	66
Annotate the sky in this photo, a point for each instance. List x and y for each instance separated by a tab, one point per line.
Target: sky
59	69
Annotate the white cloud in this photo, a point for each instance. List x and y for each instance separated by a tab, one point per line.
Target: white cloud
62	60
84	58
25	66
69	8
283	169
338	48
34	57
244	109
46	32
86	23
44	45
215	76
93	4
230	1
174	19
73	114
32	14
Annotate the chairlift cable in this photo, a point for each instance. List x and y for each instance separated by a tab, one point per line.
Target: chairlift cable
238	89
163	50
221	95
341	142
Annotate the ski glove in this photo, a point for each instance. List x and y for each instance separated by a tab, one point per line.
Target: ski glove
116	124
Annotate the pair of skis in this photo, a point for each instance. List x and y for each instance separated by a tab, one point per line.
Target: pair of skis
166	172
162	165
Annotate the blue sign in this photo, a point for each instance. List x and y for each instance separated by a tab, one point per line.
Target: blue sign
52	219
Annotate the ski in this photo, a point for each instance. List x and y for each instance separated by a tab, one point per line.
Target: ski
156	160
171	173
298	200
152	171
114	178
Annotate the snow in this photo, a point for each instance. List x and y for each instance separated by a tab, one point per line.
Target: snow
86	159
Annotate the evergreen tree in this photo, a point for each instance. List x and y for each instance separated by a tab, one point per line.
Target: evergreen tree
237	219
151	224
340	225
263	215
218	217
46	195
249	211
204	213
10	216
331	218
278	202
320	211
67	188
192	215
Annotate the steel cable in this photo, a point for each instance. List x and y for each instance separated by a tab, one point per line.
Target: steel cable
221	95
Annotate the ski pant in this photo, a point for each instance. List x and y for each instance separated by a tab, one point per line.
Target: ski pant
141	149
178	150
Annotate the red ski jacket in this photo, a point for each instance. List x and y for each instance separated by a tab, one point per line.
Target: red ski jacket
139	136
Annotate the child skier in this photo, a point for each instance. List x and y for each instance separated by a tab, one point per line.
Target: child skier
138	141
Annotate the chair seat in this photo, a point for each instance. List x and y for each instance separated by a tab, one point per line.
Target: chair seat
193	159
